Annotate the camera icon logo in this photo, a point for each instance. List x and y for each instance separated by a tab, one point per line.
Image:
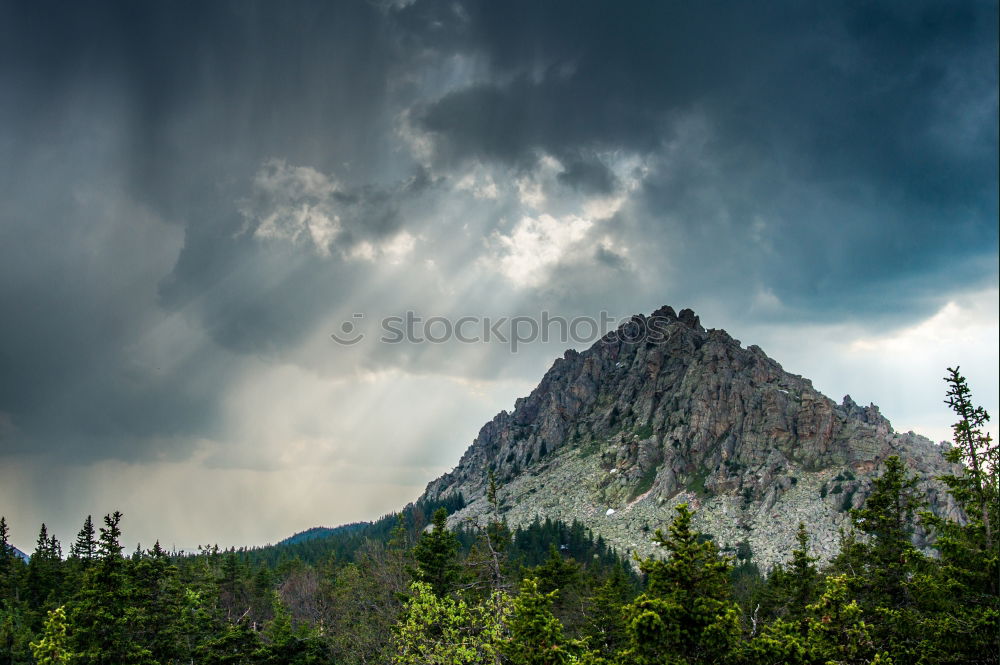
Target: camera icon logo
348	332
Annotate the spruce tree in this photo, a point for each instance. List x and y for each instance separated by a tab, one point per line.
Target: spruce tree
970	550
157	599
979	487
802	570
488	558
436	556
5	546
963	589
237	644
837	632
605	627
8	560
104	625
85	547
556	572
887	556
794	585
686	614
536	636
43	578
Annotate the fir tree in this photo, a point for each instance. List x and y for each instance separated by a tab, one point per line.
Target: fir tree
836	631
237	644
794	585
605	627
979	488
888	556
436	556
85	547
8	560
104	623
157	599
42	582
686	613
536	636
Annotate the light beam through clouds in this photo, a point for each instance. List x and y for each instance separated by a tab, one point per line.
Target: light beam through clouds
194	197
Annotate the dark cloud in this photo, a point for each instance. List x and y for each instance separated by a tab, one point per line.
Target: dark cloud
828	151
188	189
590	175
118	118
78	276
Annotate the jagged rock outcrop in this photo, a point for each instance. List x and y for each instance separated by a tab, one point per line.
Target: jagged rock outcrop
663	411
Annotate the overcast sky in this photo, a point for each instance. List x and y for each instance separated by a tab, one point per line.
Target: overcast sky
195	196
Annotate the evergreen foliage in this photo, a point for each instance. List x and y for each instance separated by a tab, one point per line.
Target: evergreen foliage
53	647
686	613
536	635
436	556
546	593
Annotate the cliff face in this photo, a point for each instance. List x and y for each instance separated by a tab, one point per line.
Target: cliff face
664	411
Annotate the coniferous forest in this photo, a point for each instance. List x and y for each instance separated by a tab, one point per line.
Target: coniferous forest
406	589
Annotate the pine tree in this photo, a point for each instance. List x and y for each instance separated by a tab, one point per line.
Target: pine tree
686	614
536	636
888	556
979	487
85	547
436	556
157	599
237	644
42	582
836	631
794	585
959	598
8	560
104	626
605	627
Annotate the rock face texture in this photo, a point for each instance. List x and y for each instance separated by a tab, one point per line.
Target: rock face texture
663	411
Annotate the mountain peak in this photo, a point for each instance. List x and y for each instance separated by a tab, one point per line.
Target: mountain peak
663	411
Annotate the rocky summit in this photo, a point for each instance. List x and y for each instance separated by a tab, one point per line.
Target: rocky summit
663	411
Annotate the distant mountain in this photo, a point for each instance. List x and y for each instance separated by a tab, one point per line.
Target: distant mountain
664	411
17	552
322	532
344	542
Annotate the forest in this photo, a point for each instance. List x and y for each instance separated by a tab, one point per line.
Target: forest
406	589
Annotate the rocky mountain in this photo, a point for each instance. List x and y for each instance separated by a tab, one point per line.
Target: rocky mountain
663	411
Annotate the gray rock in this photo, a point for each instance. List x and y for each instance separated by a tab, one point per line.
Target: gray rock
638	424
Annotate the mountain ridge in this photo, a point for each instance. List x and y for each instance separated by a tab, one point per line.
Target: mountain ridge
663	411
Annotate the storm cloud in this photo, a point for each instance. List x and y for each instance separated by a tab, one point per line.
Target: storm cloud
194	196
